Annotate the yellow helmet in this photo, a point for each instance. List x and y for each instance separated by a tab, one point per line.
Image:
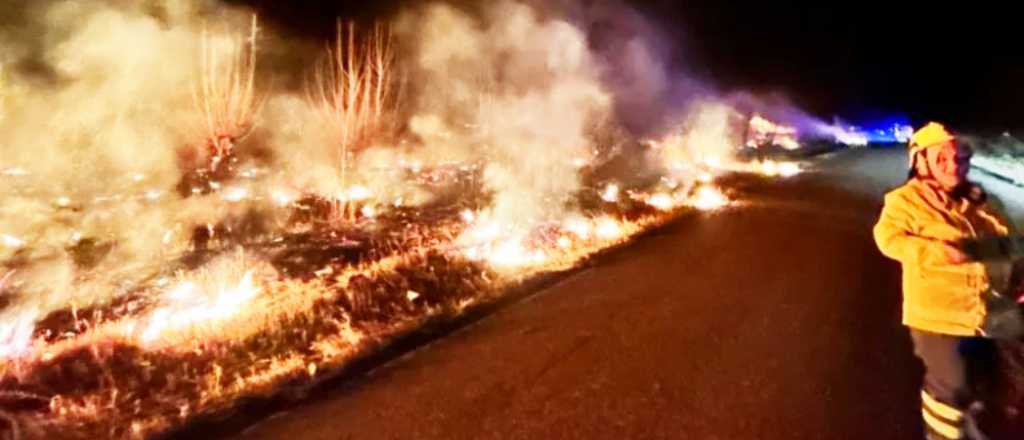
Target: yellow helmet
932	134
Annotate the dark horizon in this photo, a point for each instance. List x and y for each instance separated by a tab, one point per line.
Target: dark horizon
956	65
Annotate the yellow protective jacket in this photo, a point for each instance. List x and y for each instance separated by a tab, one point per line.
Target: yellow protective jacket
940	296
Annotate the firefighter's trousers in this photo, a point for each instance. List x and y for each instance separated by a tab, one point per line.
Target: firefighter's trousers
958	372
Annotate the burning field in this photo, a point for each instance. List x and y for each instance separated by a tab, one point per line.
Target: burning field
191	217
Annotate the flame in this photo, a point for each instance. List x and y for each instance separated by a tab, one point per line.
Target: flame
11	241
16	336
358	193
282	197
610	193
772	168
505	247
709	198
713	161
486	232
564	242
236	194
579	227
513	253
661	201
608	229
789	169
191	304
497	243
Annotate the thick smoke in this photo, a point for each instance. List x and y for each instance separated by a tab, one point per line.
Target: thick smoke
511	90
99	100
651	86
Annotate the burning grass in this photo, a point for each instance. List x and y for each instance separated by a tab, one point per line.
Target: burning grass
142	302
254	305
118	389
249	322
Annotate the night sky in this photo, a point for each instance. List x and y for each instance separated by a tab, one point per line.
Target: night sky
963	65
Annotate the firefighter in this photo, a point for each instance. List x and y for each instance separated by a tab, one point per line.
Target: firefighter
924	225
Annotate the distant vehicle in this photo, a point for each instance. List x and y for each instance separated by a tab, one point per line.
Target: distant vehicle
885	131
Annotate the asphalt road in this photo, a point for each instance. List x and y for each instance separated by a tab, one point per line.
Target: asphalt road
776	319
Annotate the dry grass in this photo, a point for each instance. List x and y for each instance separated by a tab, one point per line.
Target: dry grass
226	91
353	87
354	90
